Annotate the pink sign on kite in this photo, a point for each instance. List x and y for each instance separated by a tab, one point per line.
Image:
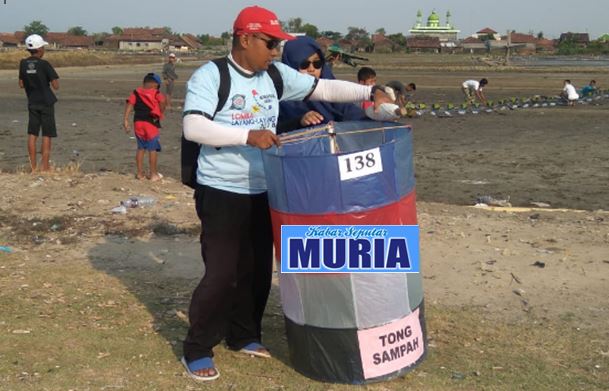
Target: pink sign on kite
391	347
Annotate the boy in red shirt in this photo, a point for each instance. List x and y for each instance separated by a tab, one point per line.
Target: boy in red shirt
148	105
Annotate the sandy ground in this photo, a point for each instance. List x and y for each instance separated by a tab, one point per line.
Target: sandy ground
470	257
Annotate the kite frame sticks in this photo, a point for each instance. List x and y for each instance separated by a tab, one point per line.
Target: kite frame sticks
302	136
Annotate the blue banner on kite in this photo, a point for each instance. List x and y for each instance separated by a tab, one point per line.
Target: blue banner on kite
350	249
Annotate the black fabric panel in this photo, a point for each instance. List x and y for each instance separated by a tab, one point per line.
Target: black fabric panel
333	356
329	355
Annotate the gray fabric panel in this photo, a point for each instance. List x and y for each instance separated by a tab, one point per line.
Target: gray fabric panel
415	289
380	298
327	300
291	300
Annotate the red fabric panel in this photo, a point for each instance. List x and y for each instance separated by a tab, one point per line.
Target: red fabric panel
402	212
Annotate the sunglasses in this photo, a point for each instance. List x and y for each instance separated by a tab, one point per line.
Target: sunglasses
270	43
317	64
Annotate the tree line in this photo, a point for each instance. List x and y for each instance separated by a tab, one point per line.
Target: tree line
297	25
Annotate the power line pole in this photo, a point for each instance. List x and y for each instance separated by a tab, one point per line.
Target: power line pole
508	48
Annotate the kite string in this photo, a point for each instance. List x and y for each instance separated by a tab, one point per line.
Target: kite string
297	139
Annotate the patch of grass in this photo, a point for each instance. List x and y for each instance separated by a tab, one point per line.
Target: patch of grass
69	58
68	228
66	324
164	228
71	168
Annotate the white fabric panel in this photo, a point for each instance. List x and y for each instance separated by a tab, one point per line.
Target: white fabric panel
380	298
291	300
327	300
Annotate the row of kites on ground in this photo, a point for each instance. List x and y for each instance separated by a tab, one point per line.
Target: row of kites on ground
499	106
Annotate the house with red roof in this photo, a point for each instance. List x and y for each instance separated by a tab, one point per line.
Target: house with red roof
521	43
474	45
419	44
68	41
546	45
140	39
581	40
487	33
381	44
9	40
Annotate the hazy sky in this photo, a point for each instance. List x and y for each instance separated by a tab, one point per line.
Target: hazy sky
200	16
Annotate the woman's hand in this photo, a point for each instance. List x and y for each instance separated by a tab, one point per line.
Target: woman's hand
311	118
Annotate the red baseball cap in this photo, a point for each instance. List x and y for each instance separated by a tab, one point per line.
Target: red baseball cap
259	20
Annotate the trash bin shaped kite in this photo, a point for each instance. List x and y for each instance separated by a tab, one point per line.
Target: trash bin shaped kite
348	327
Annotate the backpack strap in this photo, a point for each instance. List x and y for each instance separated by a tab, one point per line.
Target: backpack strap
277	80
224	88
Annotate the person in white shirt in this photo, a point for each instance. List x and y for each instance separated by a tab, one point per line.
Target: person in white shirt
569	93
472	89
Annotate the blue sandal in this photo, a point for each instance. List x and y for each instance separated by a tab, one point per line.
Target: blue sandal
252	349
197	365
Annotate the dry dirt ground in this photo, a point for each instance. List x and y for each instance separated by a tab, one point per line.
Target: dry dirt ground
471	256
516	267
516	300
554	155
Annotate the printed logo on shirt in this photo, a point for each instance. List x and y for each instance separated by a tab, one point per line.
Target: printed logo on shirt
264	101
31	68
253	122
237	102
242	116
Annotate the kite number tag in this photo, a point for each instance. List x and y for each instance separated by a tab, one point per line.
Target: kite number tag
360	164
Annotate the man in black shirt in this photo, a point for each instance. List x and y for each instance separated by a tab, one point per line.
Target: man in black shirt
37	77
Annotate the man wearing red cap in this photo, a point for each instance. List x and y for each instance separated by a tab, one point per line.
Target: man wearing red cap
231	199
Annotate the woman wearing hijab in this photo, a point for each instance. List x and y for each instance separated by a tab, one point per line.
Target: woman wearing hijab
306	56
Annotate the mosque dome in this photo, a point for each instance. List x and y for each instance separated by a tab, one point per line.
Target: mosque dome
433	20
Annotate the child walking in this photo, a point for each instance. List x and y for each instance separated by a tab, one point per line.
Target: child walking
148	105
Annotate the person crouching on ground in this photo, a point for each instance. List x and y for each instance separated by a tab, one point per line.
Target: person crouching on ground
569	93
590	90
37	77
472	90
148	105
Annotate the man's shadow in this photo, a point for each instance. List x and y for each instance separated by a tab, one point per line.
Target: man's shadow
162	272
